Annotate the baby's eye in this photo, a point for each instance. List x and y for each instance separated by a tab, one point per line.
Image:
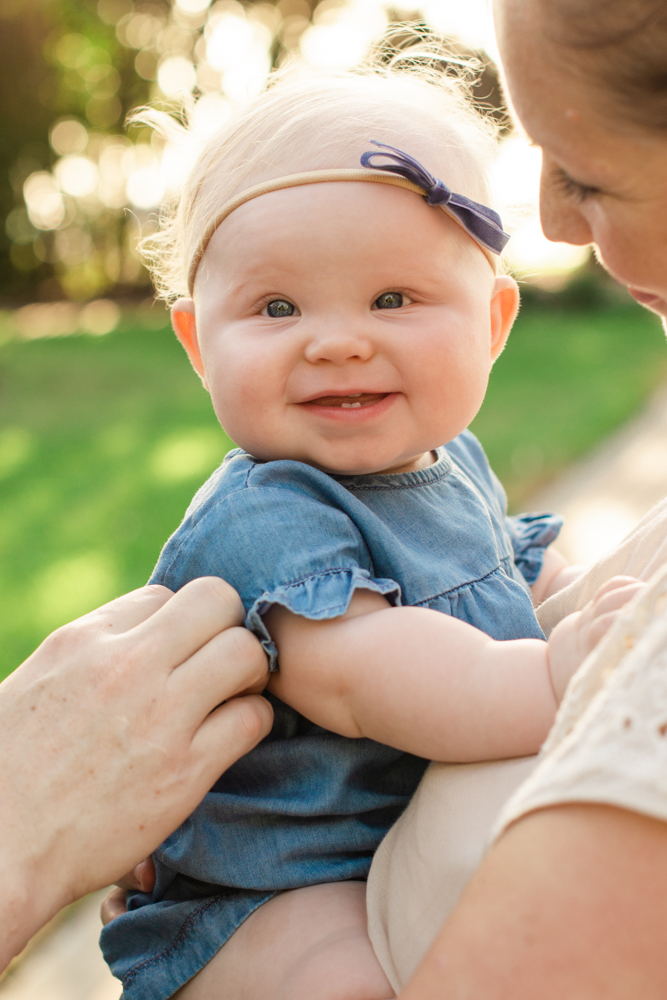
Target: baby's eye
388	300
279	308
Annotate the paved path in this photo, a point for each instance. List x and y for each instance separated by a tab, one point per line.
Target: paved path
602	497
606	494
68	964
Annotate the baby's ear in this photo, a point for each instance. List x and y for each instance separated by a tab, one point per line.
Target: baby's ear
185	328
504	307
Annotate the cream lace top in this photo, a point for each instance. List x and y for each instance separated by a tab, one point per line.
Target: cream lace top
609	742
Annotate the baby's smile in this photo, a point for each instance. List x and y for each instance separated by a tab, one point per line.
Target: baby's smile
352	407
350	402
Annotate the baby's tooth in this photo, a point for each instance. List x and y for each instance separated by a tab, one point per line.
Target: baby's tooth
350	406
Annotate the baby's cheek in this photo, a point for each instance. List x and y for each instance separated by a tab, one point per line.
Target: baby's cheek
456	390
250	413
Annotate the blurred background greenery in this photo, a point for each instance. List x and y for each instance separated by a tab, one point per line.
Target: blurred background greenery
105	432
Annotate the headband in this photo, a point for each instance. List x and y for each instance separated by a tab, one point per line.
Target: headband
479	221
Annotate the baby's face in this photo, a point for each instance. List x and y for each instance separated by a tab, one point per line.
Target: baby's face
349	326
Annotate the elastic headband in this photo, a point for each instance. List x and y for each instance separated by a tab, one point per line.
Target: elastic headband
479	221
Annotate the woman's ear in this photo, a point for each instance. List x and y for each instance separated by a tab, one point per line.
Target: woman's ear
185	328
504	307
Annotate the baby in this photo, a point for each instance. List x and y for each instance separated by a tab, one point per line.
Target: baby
343	309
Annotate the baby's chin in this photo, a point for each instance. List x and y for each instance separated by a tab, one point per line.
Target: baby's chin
364	461
386	467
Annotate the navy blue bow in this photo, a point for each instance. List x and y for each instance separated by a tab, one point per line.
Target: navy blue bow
482	223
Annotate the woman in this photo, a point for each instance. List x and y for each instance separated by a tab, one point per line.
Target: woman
571	902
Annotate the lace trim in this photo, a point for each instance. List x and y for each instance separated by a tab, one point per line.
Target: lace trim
609	742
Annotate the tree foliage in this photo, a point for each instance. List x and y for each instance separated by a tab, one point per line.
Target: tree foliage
75	187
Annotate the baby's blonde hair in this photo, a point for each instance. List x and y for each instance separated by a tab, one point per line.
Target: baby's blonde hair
311	121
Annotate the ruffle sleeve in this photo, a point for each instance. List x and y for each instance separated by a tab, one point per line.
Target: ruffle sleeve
274	544
531	535
319	597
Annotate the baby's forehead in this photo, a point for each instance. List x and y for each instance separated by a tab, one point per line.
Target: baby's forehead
352	228
326	211
449	164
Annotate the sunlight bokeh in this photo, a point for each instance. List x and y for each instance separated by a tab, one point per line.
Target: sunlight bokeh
213	58
516	182
469	22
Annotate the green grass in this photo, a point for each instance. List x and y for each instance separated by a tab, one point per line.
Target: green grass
566	380
104	440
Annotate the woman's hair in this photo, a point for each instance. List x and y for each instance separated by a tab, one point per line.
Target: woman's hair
621	45
307	121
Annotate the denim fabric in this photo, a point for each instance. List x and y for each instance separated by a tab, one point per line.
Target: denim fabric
308	806
531	535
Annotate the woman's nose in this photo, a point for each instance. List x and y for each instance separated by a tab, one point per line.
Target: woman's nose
338	343
560	215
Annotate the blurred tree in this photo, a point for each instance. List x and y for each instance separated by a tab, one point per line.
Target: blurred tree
71	70
58	58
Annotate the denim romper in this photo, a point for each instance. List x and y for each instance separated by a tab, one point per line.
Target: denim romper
307	806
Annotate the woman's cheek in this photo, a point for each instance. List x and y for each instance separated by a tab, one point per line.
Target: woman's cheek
620	257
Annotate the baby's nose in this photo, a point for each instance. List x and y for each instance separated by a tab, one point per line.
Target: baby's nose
339	344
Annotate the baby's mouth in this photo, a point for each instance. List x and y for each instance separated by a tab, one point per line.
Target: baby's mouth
351	402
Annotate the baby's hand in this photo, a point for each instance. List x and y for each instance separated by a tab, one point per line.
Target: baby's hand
575	636
142	878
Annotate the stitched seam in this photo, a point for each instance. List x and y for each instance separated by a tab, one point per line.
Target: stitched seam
461	586
401	486
174	944
181	936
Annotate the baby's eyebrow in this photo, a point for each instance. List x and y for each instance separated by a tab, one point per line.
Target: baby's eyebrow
254	285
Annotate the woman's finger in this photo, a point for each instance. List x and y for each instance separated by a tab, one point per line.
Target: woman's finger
616	599
113	906
230	663
231	730
128	611
186	622
614	583
141	878
599	628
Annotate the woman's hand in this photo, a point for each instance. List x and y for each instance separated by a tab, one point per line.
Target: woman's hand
111	733
577	635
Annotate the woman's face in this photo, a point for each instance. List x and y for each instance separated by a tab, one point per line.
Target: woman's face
604	181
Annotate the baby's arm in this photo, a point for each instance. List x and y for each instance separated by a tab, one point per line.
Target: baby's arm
427	683
556	573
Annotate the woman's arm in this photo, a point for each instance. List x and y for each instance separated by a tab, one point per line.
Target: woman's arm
110	736
570	903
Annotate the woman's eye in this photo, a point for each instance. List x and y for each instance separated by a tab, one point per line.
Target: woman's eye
388	300
572	188
279	308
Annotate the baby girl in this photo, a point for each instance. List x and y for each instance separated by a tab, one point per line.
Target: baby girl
343	307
